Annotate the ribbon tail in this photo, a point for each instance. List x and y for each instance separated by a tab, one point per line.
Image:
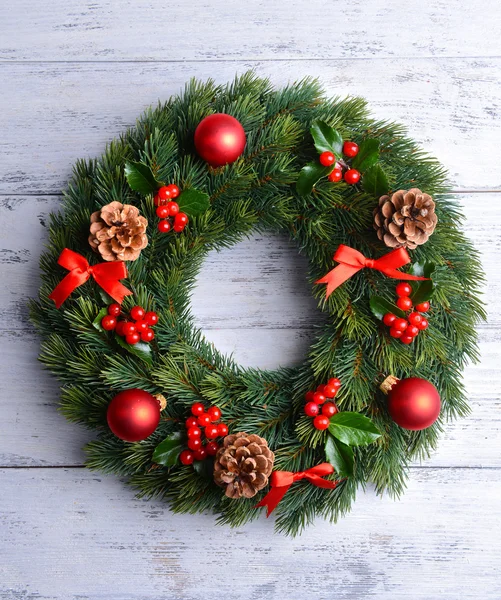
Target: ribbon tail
272	498
70	282
112	287
395	274
337	277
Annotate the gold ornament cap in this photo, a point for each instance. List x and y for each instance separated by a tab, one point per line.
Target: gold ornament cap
388	383
161	400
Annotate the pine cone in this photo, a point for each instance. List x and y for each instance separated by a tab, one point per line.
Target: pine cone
118	232
243	465
405	219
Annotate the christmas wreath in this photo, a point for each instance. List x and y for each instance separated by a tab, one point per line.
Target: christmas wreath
182	421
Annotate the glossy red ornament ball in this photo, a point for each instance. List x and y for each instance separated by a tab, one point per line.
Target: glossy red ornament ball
335	175
327	159
403	289
133	415
321	422
219	139
350	149
108	323
414	403
311	409
404	303
352	176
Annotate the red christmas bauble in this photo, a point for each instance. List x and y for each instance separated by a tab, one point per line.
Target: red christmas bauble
133	415
219	139
414	403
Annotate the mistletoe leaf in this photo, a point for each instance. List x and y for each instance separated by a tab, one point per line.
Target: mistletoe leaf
193	202
340	456
353	429
309	176
326	138
168	451
142	350
140	178
375	182
380	306
368	155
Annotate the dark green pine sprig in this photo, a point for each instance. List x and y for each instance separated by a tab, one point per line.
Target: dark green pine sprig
257	191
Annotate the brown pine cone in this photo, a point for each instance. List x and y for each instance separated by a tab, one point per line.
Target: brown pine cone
405	219
243	465
118	232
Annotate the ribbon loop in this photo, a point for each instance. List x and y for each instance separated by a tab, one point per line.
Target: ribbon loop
351	261
107	275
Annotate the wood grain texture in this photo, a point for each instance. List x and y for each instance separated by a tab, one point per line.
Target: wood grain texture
257	30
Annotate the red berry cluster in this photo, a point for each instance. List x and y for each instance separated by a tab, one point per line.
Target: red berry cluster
316	405
134	327
194	425
168	210
327	159
406	329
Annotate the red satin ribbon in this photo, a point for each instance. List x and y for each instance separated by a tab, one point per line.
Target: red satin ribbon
106	275
282	480
351	261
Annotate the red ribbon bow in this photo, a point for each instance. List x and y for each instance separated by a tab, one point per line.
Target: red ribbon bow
351	261
106	275
282	480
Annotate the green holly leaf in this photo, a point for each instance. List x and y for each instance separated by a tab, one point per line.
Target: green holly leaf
167	452
375	182
309	176
142	350
368	155
340	456
193	202
97	321
353	429
326	138
205	468
380	306
422	290
140	178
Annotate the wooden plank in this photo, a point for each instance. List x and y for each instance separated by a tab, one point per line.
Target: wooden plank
70	110
71	534
146	30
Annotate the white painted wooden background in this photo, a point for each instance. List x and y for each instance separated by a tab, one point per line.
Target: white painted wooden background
74	75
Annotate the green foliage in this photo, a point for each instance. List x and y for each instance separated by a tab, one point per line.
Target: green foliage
259	191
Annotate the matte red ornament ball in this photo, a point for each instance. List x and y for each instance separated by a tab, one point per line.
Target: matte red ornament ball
414	403
133	415
219	139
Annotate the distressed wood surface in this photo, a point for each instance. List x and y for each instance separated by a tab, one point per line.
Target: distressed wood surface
76	74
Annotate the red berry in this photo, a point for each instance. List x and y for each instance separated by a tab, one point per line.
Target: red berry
415	318
162	212
174	190
396	333
352	176
119	329
137	313
222	429
163	226
157	201
194	432
404	303
388	319
114	310
350	149
411	331
403	289
141	325
309	396
194	443
128	328
327	159
148	335
201	454
151	318
172	208
330	391
191	422
132	338
335	175
204	419
211	448
318	398
311	409
197	409
211	432
400	324
108	323
214	413
329	409
186	457
181	219
423	324
179	228
321	422
164	193
335	382
423	307
406	339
